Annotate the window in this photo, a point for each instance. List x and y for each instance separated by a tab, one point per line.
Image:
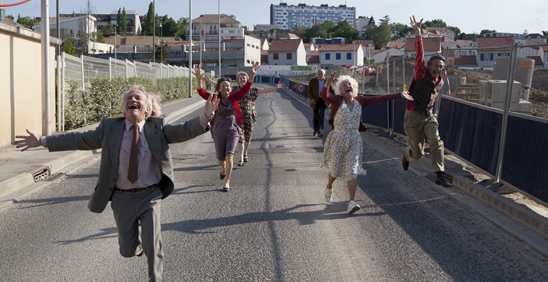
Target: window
491	57
289	56
328	56
275	56
337	56
482	57
349	56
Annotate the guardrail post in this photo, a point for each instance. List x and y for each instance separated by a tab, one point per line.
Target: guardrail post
83	86
507	101
388	91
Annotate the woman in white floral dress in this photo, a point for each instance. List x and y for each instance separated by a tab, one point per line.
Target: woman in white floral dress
343	146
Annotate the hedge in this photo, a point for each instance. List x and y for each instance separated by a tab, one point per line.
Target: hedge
102	97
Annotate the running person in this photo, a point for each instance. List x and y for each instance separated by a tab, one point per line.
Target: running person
247	106
420	123
227	122
343	145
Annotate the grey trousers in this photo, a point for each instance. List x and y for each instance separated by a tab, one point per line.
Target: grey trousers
134	209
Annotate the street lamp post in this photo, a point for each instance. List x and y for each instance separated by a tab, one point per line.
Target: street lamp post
219	35
190	51
45	67
154	31
161	43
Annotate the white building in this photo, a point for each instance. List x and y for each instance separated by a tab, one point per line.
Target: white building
206	27
287	52
342	55
302	15
103	20
99	48
73	27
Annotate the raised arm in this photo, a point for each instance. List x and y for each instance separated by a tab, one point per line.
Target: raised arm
89	140
326	94
194	127
420	68
201	85
368	101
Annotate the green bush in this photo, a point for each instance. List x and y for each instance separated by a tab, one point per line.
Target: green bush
103	97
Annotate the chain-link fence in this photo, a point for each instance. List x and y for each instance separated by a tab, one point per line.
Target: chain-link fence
84	80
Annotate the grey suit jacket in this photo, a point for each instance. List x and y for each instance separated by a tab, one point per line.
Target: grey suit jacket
108	136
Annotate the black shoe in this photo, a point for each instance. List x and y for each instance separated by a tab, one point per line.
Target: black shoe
246	159
320	134
225	189
222	176
315	132
444	179
404	163
241	163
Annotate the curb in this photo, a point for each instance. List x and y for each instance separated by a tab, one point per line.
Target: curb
505	206
55	166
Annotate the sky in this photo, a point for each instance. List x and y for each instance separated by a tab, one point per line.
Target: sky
469	15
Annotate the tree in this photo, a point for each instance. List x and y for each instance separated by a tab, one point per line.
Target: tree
169	26
483	32
69	46
182	28
381	34
27	22
123	24
435	23
106	29
399	30
148	26
344	29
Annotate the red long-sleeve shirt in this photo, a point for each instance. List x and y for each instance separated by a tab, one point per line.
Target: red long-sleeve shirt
420	68
234	98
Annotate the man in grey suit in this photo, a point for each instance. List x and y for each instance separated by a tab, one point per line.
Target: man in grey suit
135	172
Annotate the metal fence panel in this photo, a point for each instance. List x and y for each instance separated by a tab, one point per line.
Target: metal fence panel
526	156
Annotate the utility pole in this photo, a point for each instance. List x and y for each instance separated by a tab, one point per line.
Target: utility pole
190	49
45	69
154	31
219	33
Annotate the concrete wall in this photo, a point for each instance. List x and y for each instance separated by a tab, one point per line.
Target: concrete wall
21	84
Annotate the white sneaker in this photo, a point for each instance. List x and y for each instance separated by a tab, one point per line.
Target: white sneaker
352	207
328	195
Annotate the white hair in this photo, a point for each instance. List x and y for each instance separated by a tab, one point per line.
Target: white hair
137	88
350	79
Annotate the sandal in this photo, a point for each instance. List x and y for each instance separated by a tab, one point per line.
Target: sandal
241	163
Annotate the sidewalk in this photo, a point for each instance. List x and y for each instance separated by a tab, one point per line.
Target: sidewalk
22	169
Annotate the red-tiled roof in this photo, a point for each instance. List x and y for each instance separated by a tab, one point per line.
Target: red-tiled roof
494	42
466	61
431	44
284	45
338	47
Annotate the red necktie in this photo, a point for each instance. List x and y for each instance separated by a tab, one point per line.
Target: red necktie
133	167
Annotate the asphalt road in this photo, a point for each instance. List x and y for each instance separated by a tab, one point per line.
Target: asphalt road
272	225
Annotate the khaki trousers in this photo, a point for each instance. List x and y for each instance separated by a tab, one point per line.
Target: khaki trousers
421	128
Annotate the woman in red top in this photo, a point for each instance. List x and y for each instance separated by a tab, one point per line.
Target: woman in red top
227	122
343	145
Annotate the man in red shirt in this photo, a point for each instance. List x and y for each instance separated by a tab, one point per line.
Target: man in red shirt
420	123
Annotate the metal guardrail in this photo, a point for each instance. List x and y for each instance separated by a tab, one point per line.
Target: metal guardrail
474	132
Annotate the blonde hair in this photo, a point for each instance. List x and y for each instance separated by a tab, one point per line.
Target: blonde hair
350	79
137	88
